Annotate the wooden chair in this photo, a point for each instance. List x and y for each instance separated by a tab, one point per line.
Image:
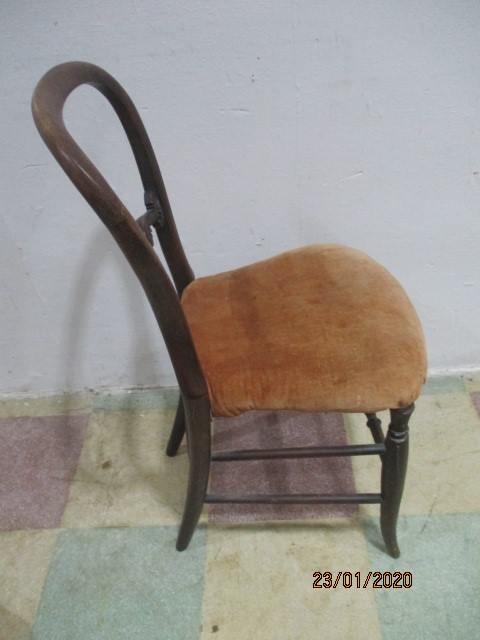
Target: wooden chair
322	328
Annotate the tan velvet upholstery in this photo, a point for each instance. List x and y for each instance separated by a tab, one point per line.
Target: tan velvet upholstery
322	328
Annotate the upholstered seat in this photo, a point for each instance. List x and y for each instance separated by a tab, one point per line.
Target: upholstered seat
321	328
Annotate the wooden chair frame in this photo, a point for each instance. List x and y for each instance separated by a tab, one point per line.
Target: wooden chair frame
134	238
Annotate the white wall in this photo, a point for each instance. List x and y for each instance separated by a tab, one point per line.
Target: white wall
276	123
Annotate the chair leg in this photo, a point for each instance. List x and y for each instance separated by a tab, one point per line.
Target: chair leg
375	426
178	430
394	469
198	419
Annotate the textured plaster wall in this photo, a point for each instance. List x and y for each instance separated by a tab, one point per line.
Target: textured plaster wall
276	123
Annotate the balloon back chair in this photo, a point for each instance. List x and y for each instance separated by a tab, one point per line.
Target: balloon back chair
321	328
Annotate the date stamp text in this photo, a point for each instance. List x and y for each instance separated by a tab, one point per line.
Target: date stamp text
349	580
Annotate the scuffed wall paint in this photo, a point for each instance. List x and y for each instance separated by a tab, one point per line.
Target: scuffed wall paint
276	124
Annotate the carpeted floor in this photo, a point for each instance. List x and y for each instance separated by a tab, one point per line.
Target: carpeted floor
90	505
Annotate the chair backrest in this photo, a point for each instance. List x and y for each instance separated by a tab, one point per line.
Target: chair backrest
48	102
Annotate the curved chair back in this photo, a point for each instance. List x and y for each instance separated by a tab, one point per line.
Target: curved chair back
48	102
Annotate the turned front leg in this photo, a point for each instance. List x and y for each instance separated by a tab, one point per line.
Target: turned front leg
394	469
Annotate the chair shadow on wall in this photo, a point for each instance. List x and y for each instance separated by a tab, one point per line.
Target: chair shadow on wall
169	477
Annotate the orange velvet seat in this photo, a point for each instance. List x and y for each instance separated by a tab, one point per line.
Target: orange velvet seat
321	328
